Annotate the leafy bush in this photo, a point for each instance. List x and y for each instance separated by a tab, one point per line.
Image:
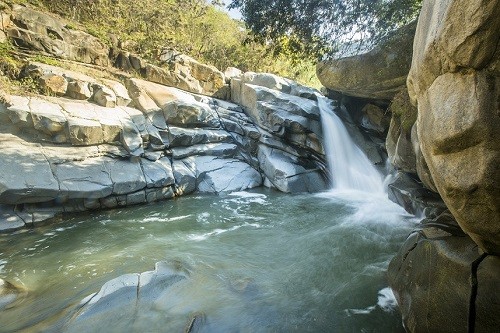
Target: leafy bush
9	65
193	27
46	60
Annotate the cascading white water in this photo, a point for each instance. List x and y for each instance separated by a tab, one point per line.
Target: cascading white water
348	165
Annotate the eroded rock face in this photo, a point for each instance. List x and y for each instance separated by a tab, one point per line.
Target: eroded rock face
455	80
290	153
178	70
88	150
378	74
42	32
443	282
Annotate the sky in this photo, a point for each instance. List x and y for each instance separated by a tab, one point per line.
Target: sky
234	13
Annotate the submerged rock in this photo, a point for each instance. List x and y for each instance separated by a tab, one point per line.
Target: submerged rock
9	294
124	302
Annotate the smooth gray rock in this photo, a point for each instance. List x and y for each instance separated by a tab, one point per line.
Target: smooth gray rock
46	33
158	173
182	137
84	132
136	198
286	174
209	149
9	221
26	175
84	179
131	138
126	176
47	117
277	83
190	114
120	92
117	301
377	74
185	175
104	96
19	112
217	175
455	288
78	89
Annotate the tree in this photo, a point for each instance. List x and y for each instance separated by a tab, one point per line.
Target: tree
329	27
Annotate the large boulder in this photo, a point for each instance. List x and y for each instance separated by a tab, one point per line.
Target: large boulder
377	74
443	283
455	80
42	32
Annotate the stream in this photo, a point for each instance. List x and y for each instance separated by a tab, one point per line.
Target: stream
259	261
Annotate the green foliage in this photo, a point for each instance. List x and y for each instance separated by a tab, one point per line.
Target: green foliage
402	109
198	28
193	27
29	84
327	26
46	60
9	65
10	68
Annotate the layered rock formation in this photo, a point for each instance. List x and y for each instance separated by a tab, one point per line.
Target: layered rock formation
98	143
178	70
41	32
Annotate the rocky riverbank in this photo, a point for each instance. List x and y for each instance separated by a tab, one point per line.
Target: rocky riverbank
108	129
101	136
443	140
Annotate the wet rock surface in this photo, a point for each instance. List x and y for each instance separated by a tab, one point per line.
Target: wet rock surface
124	302
443	282
407	191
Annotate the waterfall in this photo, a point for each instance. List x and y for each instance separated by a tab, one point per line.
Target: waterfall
349	167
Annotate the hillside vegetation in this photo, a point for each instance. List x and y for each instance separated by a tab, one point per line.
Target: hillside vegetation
193	27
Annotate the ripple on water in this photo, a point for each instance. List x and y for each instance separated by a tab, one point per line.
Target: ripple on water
259	261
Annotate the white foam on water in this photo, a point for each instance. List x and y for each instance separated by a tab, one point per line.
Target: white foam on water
247	197
386	300
164	219
215	232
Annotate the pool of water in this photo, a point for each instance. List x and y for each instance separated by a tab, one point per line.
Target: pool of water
259	261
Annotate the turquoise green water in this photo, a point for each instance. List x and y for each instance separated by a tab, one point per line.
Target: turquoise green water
259	262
